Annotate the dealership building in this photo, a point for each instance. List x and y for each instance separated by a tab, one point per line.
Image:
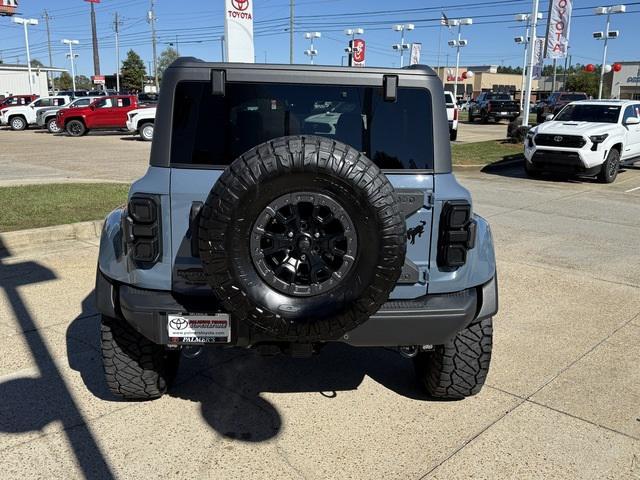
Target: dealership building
487	79
624	84
14	79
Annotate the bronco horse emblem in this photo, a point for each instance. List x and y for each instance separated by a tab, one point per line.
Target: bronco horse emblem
416	231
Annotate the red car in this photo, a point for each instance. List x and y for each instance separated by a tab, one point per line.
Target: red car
107	113
17	100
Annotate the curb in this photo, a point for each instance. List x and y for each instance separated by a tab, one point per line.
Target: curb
42	236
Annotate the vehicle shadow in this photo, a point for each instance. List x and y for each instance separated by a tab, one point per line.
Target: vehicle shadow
230	383
516	170
30	403
234	401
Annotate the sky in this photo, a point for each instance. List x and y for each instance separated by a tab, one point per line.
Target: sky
196	26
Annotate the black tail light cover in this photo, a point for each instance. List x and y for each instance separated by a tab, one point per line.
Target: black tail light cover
142	229
457	234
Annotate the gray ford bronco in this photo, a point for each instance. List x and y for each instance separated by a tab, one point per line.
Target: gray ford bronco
286	207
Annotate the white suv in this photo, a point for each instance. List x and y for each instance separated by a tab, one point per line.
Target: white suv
19	118
452	115
588	137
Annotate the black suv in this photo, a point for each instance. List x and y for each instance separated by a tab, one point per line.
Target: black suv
554	103
286	207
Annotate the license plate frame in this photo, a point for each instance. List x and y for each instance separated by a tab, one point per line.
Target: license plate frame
198	328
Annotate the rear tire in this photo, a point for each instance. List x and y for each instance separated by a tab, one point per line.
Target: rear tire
18	123
135	368
471	117
52	126
453	135
610	167
76	128
459	368
484	117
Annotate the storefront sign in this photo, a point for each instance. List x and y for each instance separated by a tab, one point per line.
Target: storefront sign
8	7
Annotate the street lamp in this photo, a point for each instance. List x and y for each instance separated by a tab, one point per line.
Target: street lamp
311	52
401	47
606	35
71	57
524	17
459	42
25	22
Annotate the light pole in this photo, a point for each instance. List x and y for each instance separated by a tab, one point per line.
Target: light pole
25	22
458	43
72	57
401	47
530	59
524	17
311	52
352	32
606	35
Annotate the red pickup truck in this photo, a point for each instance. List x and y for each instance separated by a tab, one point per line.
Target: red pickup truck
106	113
17	100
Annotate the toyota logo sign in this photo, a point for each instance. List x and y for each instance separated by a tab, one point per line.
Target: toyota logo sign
240	5
557	139
178	323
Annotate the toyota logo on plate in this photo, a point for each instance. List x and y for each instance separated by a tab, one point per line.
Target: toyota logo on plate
240	5
178	323
557	139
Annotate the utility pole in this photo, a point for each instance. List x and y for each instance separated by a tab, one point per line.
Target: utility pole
94	34
46	17
291	17
152	20
555	68
116	26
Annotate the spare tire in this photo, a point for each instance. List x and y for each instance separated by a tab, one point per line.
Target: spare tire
302	238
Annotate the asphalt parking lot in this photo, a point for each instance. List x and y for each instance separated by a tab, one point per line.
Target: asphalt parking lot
562	398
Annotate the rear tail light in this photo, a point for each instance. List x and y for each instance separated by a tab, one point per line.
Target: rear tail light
488	106
455	113
457	234
142	229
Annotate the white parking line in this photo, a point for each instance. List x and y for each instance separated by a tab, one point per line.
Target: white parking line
632	190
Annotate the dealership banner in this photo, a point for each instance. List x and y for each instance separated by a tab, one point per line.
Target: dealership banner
416	49
559	21
357	52
538	58
238	31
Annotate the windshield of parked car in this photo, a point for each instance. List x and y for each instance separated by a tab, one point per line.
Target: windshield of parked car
589	113
214	130
498	96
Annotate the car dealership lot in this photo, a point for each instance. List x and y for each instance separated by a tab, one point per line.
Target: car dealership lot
561	400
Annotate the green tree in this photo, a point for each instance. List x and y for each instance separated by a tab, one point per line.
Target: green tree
582	81
83	82
167	57
63	82
132	72
35	63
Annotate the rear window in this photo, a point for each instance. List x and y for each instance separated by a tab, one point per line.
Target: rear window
213	130
498	96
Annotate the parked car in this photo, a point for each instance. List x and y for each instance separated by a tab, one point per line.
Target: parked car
106	113
494	106
587	138
247	231
19	118
555	102
74	93
141	121
148	98
452	115
17	100
46	117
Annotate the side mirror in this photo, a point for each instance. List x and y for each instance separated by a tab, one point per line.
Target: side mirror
32	106
549	117
92	107
632	121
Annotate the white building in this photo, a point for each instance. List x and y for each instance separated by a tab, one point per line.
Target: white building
625	84
14	79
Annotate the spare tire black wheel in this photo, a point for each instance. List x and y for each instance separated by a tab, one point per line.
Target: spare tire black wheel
302	238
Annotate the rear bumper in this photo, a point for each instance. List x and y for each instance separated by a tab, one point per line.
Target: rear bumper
428	320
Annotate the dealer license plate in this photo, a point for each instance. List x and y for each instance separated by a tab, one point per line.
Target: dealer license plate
199	328
504	113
